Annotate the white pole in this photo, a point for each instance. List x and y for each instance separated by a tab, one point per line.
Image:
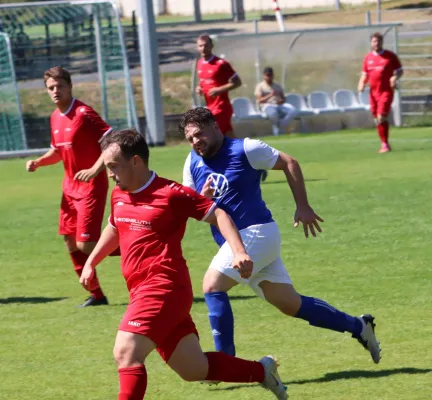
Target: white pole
279	17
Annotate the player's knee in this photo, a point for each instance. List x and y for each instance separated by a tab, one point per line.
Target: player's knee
211	287
70	243
124	356
379	119
86	247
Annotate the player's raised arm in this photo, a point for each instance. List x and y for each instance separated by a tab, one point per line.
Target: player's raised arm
108	242
225	224
49	158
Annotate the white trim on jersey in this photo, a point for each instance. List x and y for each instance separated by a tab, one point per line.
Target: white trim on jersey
233	76
110	224
259	154
106	133
70	108
209	60
209	212
148	183
187	176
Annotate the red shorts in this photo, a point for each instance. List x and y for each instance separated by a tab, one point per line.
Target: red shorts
82	217
224	121
164	317
381	103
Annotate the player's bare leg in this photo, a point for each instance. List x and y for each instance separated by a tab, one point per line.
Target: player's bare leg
130	352
215	287
321	314
79	252
383	131
189	361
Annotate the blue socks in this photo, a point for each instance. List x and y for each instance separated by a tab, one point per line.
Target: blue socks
221	321
318	313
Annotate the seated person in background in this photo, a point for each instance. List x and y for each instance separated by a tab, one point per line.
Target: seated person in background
271	98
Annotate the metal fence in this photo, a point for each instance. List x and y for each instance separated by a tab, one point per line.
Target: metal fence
303	61
82	36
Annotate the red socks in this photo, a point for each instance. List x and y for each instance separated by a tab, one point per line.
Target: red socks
79	259
226	368
133	383
383	131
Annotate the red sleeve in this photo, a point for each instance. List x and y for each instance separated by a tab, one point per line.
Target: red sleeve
396	62
94	123
227	71
187	203
52	145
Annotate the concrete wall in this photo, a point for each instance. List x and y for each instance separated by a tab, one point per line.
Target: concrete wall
185	7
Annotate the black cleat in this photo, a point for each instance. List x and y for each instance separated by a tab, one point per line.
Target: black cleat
91	301
264	175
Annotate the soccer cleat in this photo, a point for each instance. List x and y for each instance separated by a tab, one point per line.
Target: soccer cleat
264	174
385	148
367	337
272	380
91	301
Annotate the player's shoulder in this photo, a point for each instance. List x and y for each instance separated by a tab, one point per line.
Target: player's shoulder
118	195
83	108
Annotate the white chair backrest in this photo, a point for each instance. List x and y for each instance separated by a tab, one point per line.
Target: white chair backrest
345	98
320	100
243	107
296	100
364	98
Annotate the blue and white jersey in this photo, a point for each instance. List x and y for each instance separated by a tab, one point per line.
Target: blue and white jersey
235	171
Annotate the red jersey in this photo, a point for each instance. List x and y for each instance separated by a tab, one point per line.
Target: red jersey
379	68
151	223
75	134
214	73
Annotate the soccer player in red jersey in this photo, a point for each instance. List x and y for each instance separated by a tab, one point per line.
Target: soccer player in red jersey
76	130
217	77
148	220
381	68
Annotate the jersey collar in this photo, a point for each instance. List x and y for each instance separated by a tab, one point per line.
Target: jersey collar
147	184
209	60
70	108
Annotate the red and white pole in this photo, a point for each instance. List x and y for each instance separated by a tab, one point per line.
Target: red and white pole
279	17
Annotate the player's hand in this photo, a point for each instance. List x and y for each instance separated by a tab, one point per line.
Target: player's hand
243	264
207	190
87	276
308	218
199	91
215	92
393	82
85	175
361	88
32	165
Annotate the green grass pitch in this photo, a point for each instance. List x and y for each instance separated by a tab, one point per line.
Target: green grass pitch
374	256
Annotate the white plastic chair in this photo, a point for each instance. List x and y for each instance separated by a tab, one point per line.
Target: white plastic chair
298	101
364	99
244	109
320	101
346	100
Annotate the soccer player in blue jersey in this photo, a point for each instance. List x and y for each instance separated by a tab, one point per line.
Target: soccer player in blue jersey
228	170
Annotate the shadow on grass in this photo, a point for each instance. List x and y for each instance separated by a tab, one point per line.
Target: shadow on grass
284	181
341	375
202	300
30	300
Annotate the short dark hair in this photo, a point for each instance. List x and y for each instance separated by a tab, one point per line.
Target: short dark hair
199	116
378	36
268	71
131	143
57	73
205	36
